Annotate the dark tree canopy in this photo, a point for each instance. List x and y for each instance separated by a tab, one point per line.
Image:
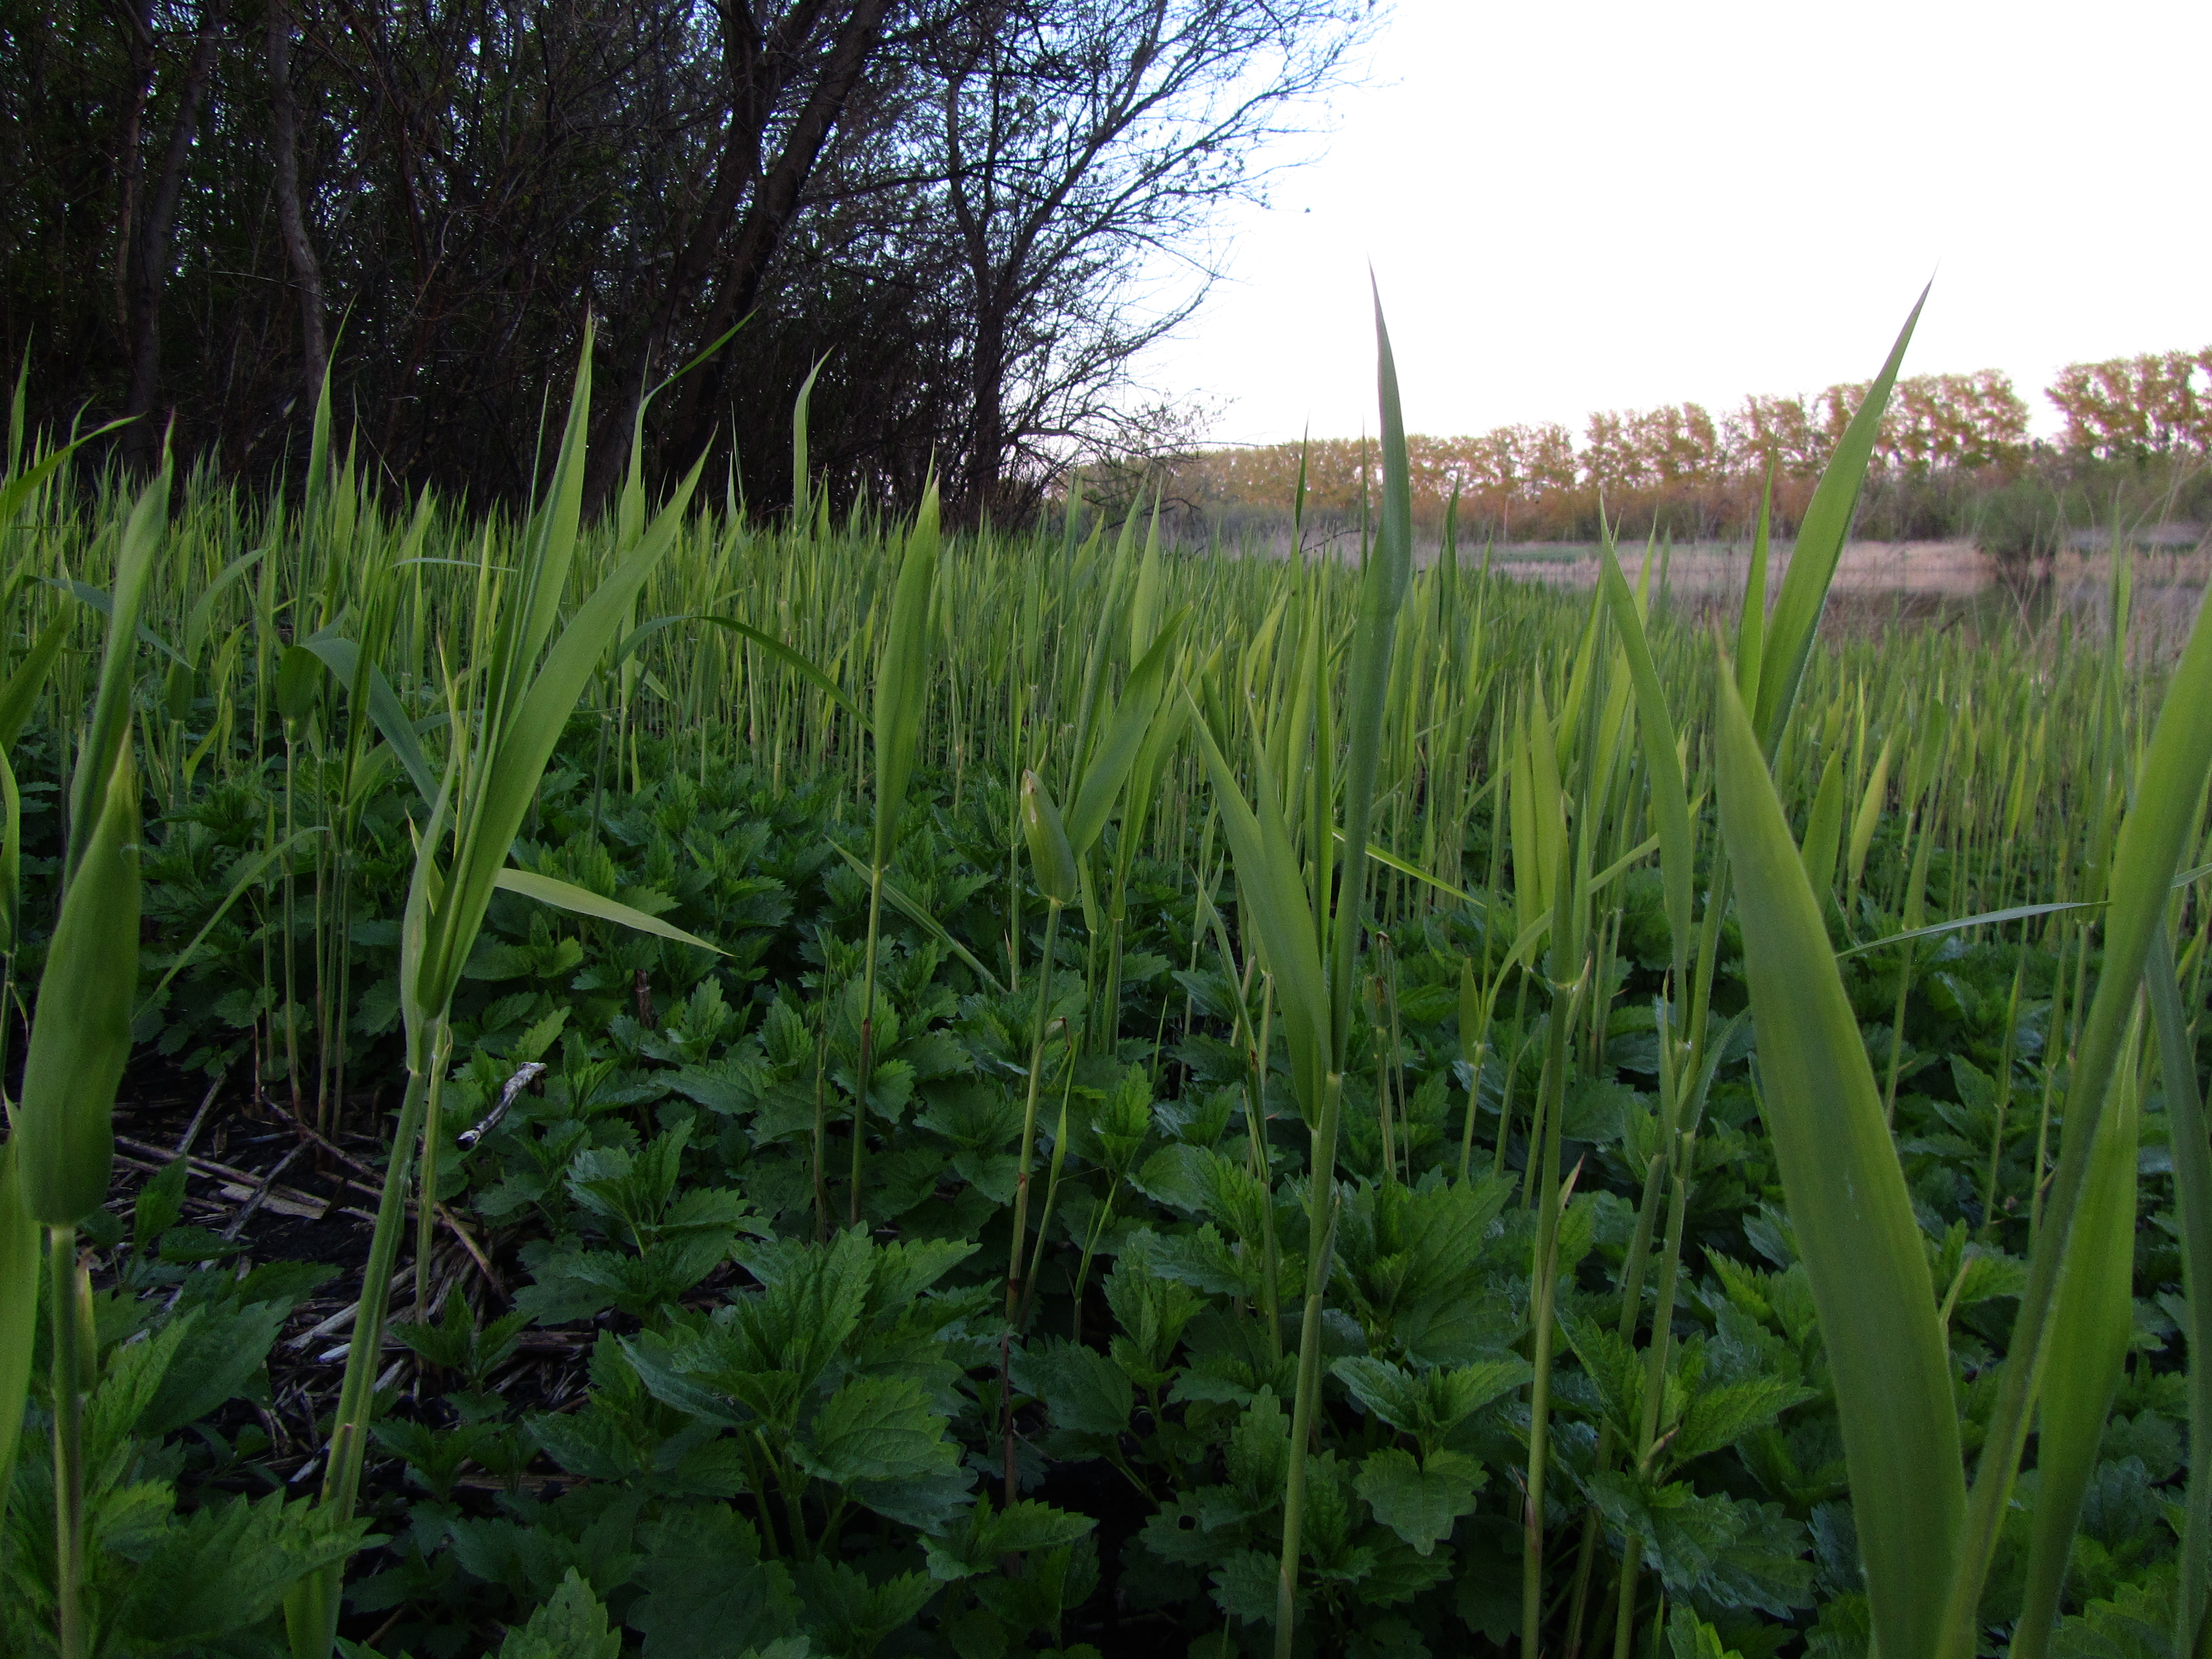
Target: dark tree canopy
973	212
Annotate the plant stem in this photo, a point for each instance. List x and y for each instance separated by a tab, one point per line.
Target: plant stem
1030	1118
67	1286
868	1039
1321	1221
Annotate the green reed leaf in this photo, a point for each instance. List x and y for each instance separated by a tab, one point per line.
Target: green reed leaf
1853	1215
81	1027
2090	1328
1820	535
582	901
902	678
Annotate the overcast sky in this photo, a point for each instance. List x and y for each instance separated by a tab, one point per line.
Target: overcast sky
1579	204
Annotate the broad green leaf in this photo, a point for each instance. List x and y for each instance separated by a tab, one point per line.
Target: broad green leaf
1277	909
708	1594
1985	919
1869	813
802	665
875	1428
224	1568
511	776
1420	1501
572	1625
582	901
1852	1214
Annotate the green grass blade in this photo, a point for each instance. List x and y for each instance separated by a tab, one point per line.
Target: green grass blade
1827	521
1126	729
1751	619
512	774
804	666
2152	838
342	658
19	1314
582	901
918	913
1375	629
2090	1327
81	1028
20	693
1853	1217
902	679
142	535
1982	919
1663	762
1824	830
2192	1187
1277	909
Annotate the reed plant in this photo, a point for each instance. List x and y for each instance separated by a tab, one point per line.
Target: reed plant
1510	1067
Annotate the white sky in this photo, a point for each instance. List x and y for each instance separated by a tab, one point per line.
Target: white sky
1579	204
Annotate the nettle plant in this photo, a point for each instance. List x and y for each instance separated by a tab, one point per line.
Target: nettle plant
1035	1093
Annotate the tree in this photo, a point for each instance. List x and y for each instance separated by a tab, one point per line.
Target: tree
1084	147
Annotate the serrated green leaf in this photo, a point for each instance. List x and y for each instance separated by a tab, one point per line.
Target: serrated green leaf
1419	1501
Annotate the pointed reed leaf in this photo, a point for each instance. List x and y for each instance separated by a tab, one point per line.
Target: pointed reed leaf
907	905
902	678
1382	583
19	1313
511	773
1751	620
804	666
1276	911
2090	1328
1125	730
1824	830
1662	761
545	571
1869	813
2192	1188
20	693
2152	838
1853	1215
81	1026
1983	919
11	856
1820	533
582	901
342	658
143	533
248	872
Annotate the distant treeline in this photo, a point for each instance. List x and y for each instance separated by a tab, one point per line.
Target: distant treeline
1954	458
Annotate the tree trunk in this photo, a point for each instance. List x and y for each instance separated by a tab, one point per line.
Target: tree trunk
987	434
292	222
773	201
147	271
